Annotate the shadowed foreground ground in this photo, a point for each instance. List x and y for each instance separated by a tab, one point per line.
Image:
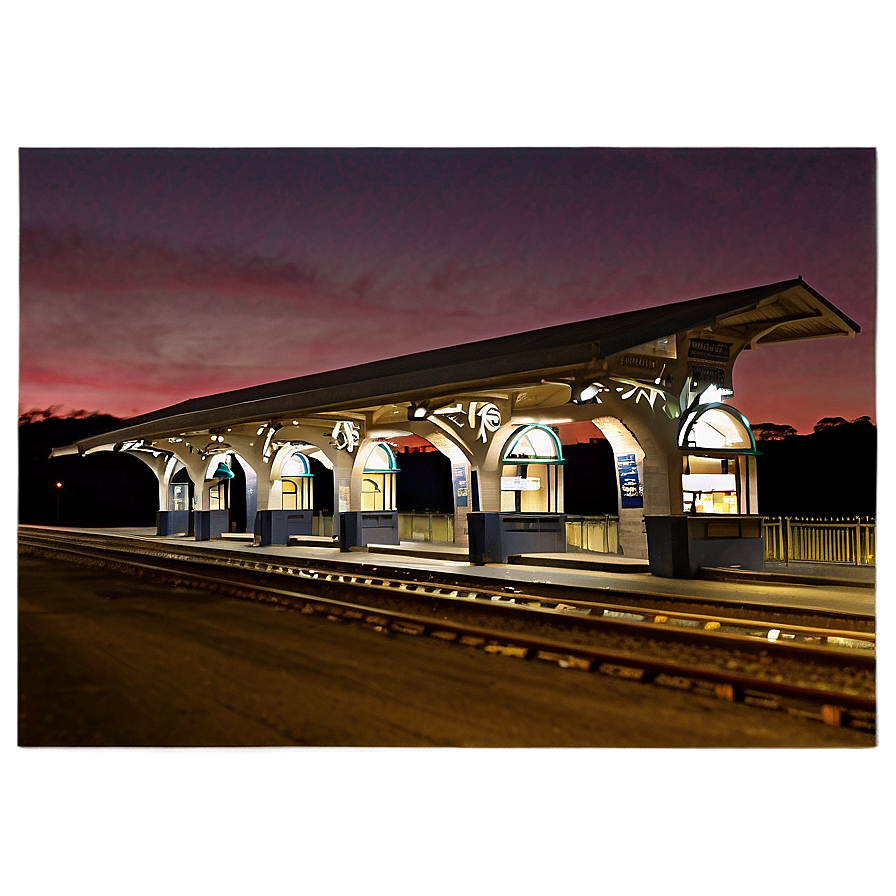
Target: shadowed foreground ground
110	660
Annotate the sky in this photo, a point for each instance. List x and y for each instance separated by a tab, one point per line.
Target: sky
150	276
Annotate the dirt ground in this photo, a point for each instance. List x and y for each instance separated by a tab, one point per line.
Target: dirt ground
111	660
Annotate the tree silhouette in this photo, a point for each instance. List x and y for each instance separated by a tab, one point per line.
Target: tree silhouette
771	432
830	422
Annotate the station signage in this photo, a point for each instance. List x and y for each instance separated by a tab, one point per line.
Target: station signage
461	490
703	375
709	350
644	364
520	484
630	488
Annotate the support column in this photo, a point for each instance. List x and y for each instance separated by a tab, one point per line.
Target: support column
490	490
632	535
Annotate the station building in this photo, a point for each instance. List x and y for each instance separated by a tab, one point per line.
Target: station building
656	383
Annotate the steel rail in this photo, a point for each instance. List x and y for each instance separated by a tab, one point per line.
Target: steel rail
837	706
594	609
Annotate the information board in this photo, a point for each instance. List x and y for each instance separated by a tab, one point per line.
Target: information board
461	489
630	487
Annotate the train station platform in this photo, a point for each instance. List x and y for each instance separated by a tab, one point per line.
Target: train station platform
591	571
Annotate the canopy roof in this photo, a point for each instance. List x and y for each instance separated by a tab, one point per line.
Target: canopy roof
778	312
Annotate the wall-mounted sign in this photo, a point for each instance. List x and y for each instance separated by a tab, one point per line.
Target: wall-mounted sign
703	375
709	350
520	484
461	489
642	364
346	435
630	488
487	413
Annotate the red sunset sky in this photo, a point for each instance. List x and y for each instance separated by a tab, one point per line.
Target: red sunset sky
153	276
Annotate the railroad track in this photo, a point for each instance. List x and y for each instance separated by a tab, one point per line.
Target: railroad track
820	673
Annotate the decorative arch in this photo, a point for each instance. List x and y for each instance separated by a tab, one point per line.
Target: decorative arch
716	427
533	444
381	460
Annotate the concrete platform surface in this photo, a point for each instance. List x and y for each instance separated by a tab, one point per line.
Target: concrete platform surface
632	577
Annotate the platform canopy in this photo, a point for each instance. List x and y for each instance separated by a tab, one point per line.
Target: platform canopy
536	360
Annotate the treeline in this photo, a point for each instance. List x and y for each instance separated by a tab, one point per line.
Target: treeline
830	473
100	490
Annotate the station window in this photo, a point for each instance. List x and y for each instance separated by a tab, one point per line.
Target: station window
296	478
716	427
378	484
217	495
709	484
715	469
524	489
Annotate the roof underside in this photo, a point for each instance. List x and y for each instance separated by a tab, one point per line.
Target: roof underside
790	310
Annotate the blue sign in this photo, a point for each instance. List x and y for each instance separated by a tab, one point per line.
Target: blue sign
629	482
460	485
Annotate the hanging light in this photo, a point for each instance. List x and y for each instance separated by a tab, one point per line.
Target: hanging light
223	471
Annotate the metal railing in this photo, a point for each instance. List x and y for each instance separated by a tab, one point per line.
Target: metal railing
599	534
322	524
426	527
848	541
437	527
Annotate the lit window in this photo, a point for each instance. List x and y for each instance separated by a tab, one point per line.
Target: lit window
295	465
381	460
716	427
534	444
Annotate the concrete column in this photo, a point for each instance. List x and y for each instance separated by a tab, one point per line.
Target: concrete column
490	490
346	494
632	533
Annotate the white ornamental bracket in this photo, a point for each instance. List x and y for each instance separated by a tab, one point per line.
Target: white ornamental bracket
345	436
474	420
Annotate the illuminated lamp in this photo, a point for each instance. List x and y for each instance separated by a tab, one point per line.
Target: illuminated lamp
223	472
418	411
712	395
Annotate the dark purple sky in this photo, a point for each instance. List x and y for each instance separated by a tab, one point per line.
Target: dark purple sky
149	277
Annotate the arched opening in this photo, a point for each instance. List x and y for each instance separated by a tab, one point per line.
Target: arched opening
532	449
231	492
434	496
590	483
